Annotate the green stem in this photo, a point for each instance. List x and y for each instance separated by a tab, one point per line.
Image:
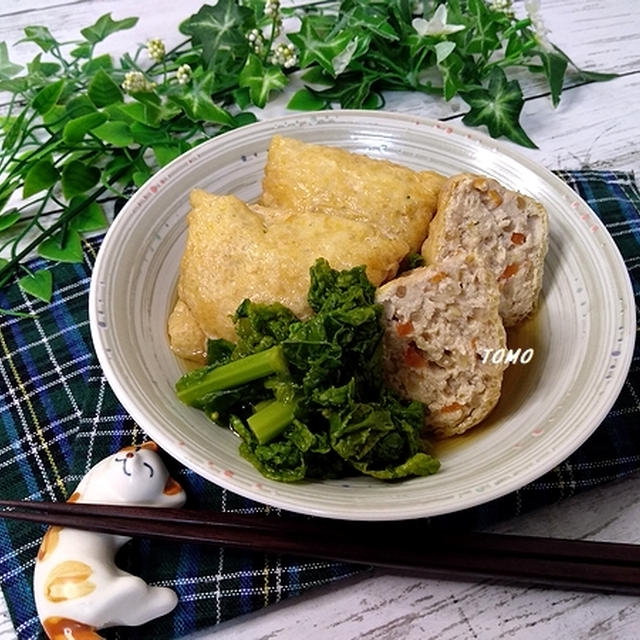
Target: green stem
32	223
271	420
19	143
233	374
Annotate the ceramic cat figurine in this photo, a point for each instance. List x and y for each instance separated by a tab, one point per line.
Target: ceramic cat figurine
78	588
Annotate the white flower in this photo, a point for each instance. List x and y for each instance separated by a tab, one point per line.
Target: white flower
256	40
437	25
136	82
155	49
532	8
285	55
272	8
505	6
183	74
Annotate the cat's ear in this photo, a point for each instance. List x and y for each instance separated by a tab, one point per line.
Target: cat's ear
172	487
173	494
149	444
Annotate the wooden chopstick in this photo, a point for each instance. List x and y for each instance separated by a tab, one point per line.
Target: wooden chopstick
407	547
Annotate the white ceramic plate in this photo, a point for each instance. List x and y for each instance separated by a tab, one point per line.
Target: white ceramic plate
582	336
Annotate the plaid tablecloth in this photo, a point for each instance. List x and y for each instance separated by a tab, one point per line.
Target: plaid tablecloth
58	416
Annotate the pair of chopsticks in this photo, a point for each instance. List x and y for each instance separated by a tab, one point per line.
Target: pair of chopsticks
408	547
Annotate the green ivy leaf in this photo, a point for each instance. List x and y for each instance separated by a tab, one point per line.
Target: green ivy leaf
220	31
78	178
40	176
55	118
261	80
587	76
165	153
305	100
116	133
82	51
149	136
155	110
16	85
13	134
484	36
115	165
99	62
451	69
443	50
103	90
62	247
134	111
80	105
244	118
91	218
38	284
317	75
8	219
197	103
105	26
371	20
498	107
353	91
115	113
76	129
43	69
242	97
140	177
7	68
6	191
40	36
47	97
314	48
554	67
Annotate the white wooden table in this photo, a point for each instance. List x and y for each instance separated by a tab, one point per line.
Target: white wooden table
596	126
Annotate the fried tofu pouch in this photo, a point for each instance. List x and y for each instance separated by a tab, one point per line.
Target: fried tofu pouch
400	202
232	254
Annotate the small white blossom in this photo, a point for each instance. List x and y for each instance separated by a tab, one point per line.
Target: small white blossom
532	8
256	41
285	55
272	9
183	74
136	82
437	25
506	6
155	49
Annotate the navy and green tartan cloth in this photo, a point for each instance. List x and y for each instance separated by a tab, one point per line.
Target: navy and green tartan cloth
58	416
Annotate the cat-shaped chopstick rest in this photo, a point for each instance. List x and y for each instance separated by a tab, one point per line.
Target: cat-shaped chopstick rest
78	588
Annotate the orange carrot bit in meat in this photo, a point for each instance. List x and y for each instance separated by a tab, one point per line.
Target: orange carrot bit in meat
450	408
404	328
441	275
510	270
518	238
413	358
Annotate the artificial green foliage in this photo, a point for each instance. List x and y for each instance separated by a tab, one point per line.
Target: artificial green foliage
83	128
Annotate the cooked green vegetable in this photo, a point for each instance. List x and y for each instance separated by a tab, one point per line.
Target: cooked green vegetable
197	385
307	398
